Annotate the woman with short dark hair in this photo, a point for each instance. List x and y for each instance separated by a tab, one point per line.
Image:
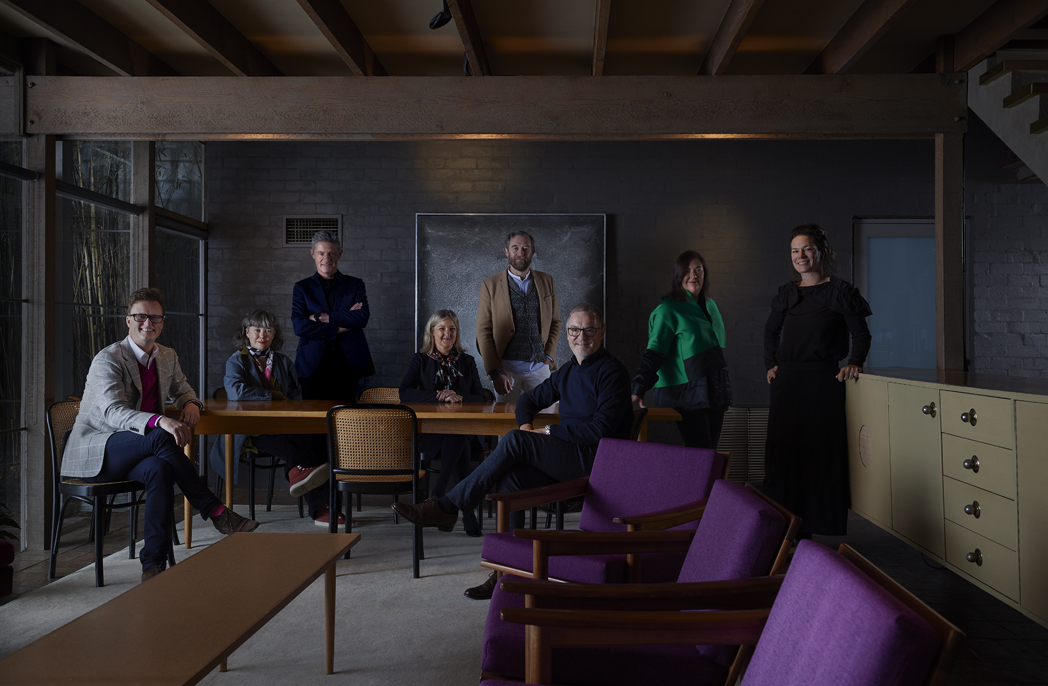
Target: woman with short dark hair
814	317
442	373
258	371
685	360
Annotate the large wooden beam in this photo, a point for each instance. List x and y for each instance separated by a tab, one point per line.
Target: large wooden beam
469	32
733	28
993	28
345	36
864	28
216	34
556	107
92	35
600	35
949	251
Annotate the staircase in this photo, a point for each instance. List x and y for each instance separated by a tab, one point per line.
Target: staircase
1009	91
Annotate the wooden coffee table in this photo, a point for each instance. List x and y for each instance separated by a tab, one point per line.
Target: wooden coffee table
180	625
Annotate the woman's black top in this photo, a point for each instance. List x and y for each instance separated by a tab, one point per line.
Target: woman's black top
425	377
816	323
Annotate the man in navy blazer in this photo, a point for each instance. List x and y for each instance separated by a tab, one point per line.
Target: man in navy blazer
329	311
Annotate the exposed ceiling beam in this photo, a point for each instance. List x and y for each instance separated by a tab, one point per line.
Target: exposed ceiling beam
549	108
733	27
216	34
864	28
342	32
92	35
600	35
993	28
469	32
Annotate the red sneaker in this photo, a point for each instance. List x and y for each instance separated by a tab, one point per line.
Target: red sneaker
303	479
324	517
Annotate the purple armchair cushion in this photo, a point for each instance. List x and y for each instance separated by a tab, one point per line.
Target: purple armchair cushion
503	654
631	478
832	625
505	549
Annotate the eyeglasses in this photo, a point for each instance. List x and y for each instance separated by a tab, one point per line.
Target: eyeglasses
155	318
589	331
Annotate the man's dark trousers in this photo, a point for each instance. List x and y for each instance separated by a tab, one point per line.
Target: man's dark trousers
155	460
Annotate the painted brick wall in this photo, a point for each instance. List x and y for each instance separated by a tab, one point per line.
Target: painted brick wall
734	201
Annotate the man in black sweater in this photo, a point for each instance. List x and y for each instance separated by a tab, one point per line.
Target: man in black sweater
594	395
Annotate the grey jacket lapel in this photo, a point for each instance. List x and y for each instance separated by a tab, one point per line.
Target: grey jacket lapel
131	364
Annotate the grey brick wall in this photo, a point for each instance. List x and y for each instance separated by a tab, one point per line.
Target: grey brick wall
1007	226
734	201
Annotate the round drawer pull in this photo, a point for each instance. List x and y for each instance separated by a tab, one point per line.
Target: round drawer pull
929	409
969	417
975	556
972	464
973	509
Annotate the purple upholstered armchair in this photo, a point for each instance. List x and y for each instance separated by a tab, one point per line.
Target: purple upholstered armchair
836	621
633	486
742	534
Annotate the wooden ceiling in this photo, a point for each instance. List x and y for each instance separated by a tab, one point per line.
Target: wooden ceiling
517	37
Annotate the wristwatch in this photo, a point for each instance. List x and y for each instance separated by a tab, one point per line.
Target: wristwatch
548	427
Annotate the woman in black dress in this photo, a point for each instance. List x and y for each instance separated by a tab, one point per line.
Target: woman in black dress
806	456
442	373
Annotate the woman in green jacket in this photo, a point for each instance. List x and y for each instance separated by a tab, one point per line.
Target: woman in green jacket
685	356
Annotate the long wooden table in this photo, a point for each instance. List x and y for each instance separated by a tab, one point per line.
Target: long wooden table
178	626
230	417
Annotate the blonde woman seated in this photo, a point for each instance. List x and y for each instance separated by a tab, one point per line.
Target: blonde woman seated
442	373
257	371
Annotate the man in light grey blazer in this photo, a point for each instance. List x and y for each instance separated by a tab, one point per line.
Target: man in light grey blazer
122	432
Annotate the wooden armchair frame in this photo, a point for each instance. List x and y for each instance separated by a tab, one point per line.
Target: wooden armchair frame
652	614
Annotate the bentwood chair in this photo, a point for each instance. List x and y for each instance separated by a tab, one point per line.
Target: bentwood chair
255	459
373	448
633	486
836	620
100	496
742	534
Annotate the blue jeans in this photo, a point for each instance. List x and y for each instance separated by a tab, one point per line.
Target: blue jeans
155	460
523	460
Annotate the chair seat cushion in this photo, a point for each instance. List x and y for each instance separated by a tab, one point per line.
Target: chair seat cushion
503	654
506	549
832	624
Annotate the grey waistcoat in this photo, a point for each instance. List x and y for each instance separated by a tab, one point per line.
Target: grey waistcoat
526	344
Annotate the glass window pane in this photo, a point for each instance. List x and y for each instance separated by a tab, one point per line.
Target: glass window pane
11	152
902	297
11	334
100	166
182	334
10	239
178	271
180	177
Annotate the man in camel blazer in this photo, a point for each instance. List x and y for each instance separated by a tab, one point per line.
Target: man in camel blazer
517	330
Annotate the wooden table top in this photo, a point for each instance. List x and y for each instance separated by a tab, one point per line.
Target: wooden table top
177	627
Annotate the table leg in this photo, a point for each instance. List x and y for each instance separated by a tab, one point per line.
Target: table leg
187	511
222	666
229	470
329	619
642	435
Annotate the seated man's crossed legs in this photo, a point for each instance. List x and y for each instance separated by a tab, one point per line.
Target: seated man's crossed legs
522	460
160	464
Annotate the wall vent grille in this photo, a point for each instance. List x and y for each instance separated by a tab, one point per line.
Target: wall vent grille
744	433
298	231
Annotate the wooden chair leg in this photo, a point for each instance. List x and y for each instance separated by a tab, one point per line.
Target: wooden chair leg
251	485
534	516
560	516
174	542
132	525
269	495
301	510
360	501
100	520
58	515
333	512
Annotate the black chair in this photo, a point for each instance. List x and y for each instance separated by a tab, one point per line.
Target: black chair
373	448
254	459
100	496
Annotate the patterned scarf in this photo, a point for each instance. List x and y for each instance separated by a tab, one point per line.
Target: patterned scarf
447	372
263	359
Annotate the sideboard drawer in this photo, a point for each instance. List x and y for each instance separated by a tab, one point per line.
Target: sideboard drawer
979	464
991	515
999	566
979	417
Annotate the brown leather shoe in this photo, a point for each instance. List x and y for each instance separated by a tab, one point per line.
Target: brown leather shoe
484	591
427	514
230	522
150	572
